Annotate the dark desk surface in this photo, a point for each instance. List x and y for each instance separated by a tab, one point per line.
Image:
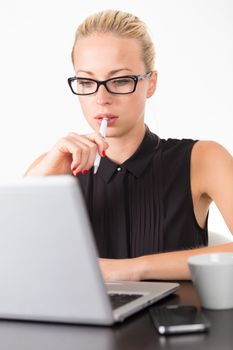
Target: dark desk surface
137	332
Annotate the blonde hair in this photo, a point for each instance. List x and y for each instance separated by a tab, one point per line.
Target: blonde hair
122	24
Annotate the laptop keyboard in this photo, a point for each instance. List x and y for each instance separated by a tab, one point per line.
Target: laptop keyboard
118	300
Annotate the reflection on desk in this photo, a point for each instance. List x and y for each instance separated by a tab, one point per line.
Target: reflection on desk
137	332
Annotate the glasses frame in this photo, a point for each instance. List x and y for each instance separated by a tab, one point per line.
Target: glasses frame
135	78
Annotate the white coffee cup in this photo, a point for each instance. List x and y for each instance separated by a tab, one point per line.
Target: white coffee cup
212	275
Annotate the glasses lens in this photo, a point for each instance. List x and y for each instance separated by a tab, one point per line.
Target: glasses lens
121	85
83	86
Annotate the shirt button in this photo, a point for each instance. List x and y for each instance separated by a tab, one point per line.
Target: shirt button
119	168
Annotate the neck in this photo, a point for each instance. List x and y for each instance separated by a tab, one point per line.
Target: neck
123	147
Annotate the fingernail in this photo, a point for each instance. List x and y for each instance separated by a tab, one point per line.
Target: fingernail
85	171
103	153
74	167
77	174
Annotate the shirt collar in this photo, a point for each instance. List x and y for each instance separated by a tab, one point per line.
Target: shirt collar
137	163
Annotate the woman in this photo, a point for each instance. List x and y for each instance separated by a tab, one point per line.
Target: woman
149	201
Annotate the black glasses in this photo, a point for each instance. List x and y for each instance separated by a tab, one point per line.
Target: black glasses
119	85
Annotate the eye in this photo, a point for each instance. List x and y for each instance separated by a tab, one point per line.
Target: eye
85	83
122	81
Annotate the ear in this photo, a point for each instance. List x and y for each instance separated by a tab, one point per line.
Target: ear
152	84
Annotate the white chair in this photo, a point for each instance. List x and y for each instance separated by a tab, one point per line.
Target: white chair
217	238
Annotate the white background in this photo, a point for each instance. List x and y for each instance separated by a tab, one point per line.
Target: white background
194	98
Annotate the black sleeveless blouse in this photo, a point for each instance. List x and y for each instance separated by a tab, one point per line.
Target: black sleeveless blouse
144	205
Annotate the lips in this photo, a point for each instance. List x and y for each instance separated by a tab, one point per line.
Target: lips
106	115
111	118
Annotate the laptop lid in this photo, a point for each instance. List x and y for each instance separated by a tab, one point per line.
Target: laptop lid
48	259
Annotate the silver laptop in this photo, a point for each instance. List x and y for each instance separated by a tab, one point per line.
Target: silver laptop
49	267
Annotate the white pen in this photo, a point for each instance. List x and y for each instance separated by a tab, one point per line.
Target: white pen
102	131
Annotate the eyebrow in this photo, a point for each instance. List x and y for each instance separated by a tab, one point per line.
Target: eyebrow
112	72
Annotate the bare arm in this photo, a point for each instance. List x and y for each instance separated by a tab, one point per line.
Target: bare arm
212	180
212	171
163	266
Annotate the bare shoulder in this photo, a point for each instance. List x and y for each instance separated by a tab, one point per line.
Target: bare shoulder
212	177
204	150
211	165
210	154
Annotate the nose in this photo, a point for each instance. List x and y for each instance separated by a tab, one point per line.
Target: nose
103	96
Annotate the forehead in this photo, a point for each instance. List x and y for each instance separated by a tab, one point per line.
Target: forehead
98	53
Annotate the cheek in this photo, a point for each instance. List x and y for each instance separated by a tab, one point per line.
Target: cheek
134	110
85	105
139	100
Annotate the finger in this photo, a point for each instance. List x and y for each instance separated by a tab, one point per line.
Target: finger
90	140
87	145
86	159
101	143
78	150
88	154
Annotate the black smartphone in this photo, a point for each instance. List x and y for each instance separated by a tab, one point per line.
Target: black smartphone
177	319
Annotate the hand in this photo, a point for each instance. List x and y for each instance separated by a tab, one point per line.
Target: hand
120	269
72	153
